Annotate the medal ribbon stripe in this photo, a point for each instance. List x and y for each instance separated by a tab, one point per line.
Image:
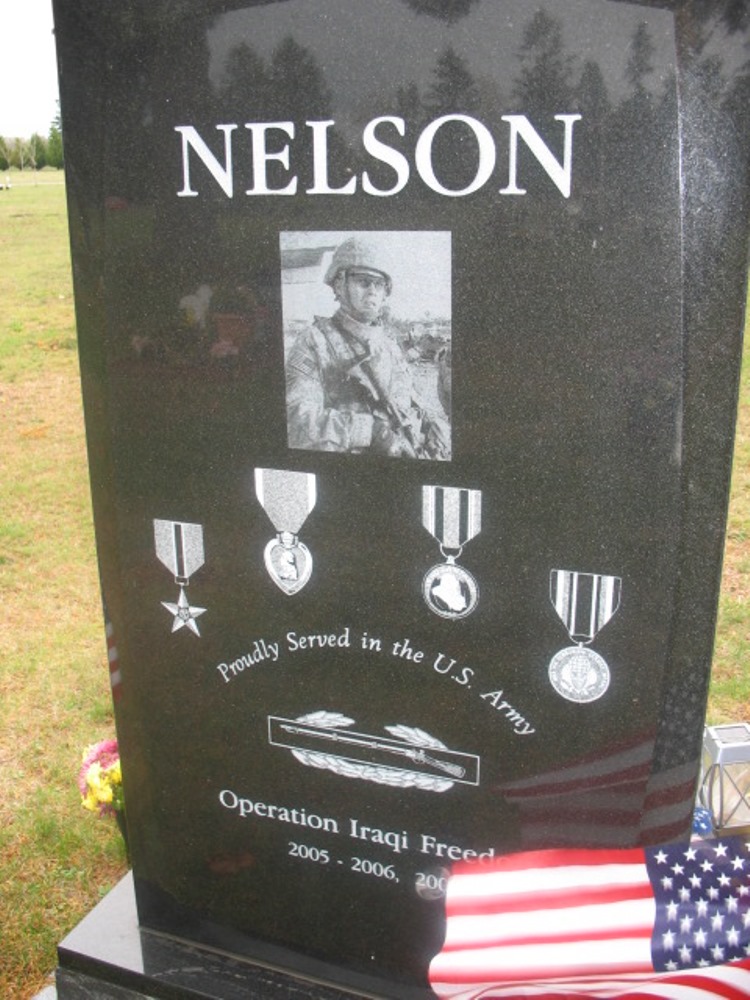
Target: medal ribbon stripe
582	613
452	515
179	547
594	605
191	547
287	497
560	586
585	602
178	553
609	599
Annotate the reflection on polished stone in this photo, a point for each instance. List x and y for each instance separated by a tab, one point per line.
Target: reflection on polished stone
549	320
107	957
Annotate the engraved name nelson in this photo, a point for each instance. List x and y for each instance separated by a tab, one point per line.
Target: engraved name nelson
268	145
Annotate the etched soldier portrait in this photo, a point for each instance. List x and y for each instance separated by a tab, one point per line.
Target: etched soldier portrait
367	342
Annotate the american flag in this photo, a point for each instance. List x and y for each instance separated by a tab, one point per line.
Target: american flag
610	800
669	922
113	657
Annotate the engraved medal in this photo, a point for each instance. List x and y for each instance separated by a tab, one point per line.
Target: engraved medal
179	546
584	602
453	517
287	498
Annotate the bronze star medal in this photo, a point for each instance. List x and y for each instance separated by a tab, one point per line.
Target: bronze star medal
179	547
184	613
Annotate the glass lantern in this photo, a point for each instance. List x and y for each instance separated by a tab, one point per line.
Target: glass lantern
725	781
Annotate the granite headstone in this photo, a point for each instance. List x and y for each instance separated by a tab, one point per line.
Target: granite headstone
410	338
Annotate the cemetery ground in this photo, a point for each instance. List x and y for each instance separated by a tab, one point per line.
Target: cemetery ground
57	860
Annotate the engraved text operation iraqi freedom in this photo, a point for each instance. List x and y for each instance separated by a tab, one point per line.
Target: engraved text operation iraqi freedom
269	142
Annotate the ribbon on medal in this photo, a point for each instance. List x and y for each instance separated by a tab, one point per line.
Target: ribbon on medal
287	498
584	603
179	547
453	516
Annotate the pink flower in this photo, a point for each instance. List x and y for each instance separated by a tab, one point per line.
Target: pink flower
104	753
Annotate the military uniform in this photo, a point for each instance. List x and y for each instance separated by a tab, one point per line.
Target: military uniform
349	390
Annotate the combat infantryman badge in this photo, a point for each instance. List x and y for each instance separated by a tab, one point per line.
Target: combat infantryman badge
584	602
453	516
287	498
179	546
412	758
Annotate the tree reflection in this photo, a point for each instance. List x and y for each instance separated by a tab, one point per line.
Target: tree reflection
446	10
245	83
640	64
453	89
545	79
298	82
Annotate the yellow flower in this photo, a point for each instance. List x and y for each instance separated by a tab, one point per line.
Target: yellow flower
105	794
100	778
90	803
94	776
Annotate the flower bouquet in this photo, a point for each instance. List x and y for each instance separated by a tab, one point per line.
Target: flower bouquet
100	784
100	779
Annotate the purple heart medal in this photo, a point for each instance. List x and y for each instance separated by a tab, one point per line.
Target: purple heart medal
584	602
179	546
287	498
453	516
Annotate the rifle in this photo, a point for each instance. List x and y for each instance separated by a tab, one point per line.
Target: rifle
416	754
363	371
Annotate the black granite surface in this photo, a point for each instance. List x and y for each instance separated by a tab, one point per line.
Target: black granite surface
594	338
108	957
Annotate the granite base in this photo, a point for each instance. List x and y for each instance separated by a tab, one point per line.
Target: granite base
109	957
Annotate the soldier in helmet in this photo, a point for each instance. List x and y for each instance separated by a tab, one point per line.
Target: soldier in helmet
349	388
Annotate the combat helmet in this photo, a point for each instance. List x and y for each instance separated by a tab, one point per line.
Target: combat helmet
358	252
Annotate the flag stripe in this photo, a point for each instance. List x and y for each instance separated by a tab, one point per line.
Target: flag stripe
604	806
630	782
550	899
533	870
606	802
598	922
731	982
113	658
548	960
628	763
597	834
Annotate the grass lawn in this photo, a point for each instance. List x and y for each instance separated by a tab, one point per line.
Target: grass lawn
729	699
56	860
